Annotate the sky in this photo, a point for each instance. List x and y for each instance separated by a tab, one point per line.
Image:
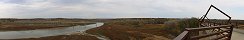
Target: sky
119	8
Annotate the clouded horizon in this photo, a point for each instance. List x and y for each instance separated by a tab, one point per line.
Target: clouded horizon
119	8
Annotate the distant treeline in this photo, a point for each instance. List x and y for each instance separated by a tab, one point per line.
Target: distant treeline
146	20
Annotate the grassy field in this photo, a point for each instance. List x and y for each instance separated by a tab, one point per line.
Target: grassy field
131	31
144	29
241	27
63	37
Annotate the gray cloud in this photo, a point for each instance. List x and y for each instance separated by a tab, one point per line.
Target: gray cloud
115	8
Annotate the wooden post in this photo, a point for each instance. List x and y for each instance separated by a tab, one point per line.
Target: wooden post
230	34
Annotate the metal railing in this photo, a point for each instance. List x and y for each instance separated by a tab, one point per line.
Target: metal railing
189	33
208	30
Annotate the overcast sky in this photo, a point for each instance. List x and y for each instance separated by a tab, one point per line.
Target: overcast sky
118	8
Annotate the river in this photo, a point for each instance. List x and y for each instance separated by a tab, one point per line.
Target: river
46	32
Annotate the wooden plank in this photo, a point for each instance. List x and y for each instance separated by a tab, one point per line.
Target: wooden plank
207	35
221	37
182	36
231	30
207	28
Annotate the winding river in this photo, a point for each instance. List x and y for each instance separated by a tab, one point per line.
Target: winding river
46	32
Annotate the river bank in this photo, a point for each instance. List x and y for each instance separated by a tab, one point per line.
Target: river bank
33	26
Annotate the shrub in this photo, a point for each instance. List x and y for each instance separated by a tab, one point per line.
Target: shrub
175	27
172	27
188	23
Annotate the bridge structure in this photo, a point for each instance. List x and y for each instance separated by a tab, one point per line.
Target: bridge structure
209	29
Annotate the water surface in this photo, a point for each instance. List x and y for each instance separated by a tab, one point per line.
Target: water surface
46	32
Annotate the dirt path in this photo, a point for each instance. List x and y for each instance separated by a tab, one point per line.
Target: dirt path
237	34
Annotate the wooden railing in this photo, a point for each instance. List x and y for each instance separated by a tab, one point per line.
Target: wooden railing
195	34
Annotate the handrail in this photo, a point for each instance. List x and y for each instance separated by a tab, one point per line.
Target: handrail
221	37
204	26
182	36
207	28
206	35
185	35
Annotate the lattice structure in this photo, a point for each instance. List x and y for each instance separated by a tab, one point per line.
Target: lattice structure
209	29
203	20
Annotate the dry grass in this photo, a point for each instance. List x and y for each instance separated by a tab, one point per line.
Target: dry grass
63	37
127	31
241	27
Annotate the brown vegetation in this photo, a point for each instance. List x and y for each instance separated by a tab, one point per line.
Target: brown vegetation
31	24
175	27
131	30
121	29
63	37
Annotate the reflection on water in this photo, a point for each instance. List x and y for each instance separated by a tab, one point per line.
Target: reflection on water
46	32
